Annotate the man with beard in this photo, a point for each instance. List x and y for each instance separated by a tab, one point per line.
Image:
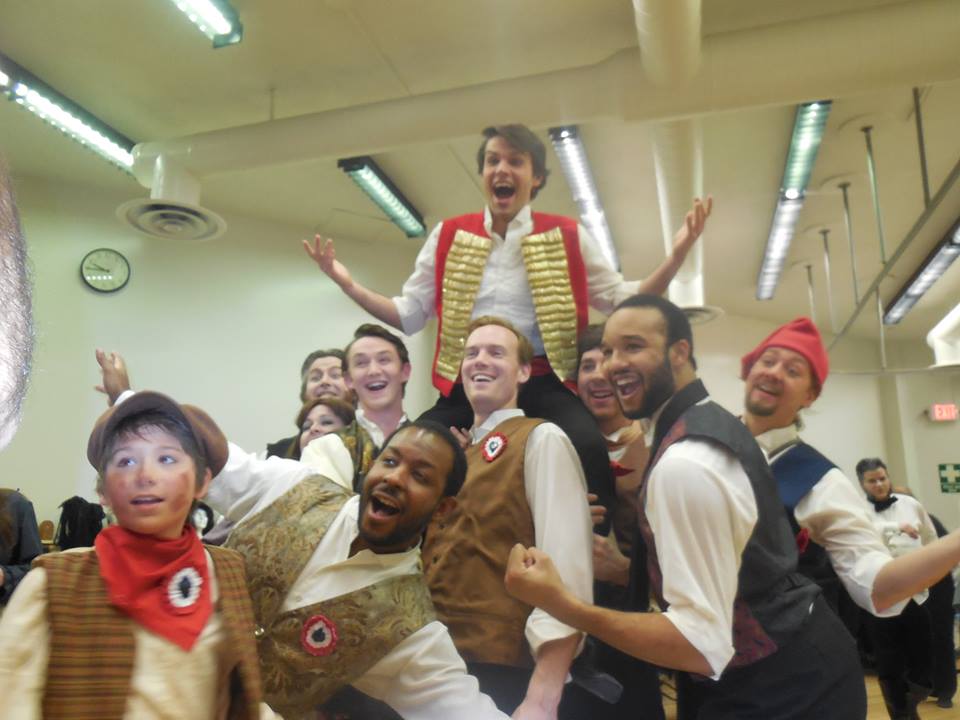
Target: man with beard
611	555
321	376
754	637
523	484
541	272
16	317
335	579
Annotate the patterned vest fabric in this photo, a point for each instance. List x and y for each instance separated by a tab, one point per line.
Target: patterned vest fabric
362	451
465	553
92	646
358	628
555	271
772	599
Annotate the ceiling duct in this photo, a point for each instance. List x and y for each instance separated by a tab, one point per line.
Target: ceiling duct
172	211
944	339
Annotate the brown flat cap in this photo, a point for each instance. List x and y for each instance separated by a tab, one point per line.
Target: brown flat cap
204	429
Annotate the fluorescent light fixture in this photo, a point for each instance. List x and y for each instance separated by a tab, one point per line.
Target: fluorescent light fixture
573	163
930	270
808	127
214	18
34	95
375	183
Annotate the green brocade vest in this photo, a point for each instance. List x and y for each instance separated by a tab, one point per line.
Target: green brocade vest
309	653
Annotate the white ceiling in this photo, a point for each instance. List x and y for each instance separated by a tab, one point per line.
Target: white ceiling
143	69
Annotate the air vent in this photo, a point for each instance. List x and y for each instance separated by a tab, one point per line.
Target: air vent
702	314
171	220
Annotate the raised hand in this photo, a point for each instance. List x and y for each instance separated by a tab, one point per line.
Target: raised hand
115	378
693	225
462	436
598	513
324	255
609	564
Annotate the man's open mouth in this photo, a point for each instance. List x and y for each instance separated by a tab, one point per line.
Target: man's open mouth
504	192
146	500
383	506
377	386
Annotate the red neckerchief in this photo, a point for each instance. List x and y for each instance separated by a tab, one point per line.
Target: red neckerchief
163	585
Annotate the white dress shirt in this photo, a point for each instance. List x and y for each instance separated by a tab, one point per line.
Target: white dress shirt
888	521
557	495
838	518
504	288
166	683
423	677
373	430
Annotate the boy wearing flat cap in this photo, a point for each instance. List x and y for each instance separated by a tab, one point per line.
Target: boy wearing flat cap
147	624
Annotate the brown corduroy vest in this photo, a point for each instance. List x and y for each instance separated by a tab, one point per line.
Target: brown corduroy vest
465	554
92	645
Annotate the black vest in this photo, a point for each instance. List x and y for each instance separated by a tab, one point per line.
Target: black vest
773	600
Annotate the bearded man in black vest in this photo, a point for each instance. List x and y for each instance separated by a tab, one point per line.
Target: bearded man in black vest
753	638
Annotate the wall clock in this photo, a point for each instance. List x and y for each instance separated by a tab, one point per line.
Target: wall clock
104	270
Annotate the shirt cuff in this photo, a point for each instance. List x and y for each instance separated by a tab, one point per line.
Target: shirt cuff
702	633
542	628
412	317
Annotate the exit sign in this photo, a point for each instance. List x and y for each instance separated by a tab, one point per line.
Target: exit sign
943	412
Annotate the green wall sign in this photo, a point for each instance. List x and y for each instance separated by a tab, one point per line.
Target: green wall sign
949	477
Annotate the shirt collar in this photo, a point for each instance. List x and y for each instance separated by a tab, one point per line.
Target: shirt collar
373	430
776	438
496	417
651	429
522	222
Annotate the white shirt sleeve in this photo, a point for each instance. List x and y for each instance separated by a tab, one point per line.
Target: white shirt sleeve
247	484
702	511
424	678
837	517
557	495
415	303
24	649
605	286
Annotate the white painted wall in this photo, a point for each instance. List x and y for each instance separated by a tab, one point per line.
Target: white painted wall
224	325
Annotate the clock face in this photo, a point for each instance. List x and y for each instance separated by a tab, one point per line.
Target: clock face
105	270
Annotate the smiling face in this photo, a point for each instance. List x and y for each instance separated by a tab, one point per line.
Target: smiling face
403	489
637	361
325	379
376	374
508	179
778	386
320	421
491	369
150	482
595	389
876	483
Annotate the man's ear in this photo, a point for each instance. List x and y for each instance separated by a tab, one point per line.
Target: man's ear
204	486
445	506
347	380
405	372
523	374
679	353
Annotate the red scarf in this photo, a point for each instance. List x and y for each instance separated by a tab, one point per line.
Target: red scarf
163	585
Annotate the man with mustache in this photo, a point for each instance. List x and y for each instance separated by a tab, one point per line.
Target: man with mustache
752	636
523	484
541	272
335	578
321	376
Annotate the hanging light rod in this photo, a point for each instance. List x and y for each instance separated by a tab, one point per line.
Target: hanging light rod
573	162
214	18
375	183
930	270
808	128
31	93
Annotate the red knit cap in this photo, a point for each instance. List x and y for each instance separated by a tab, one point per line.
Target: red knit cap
801	336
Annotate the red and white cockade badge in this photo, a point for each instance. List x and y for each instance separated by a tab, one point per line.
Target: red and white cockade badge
183	590
319	636
493	446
